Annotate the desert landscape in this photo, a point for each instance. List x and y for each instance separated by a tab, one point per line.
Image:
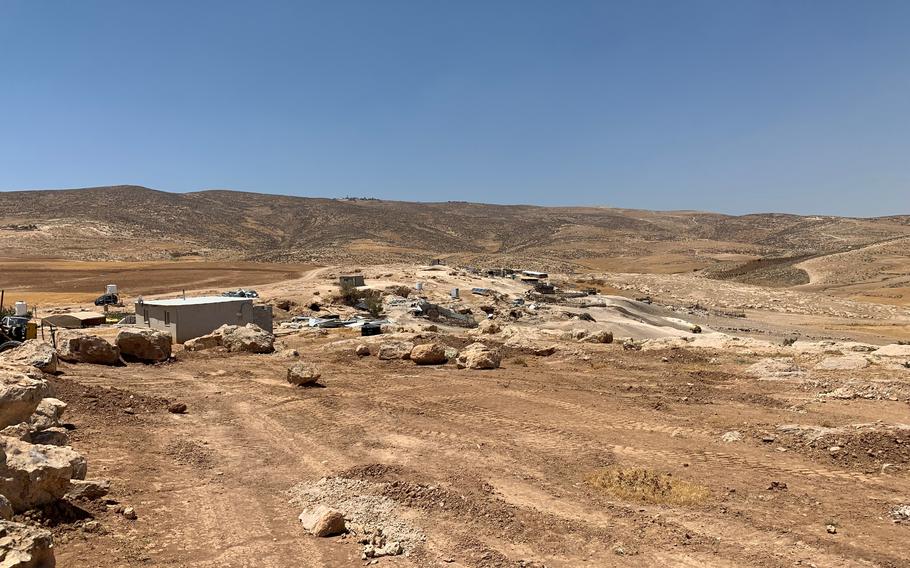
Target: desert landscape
607	387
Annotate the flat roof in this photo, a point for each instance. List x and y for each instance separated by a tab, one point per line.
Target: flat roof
198	300
80	315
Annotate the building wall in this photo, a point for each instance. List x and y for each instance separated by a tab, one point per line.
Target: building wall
193	320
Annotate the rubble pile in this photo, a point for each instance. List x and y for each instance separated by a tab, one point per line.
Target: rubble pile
37	467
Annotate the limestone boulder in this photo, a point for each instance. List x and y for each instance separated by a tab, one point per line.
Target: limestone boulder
302	374
323	521
146	345
21	390
24	546
48	414
210	341
38	354
33	475
76	347
249	338
429	354
599	336
478	356
362	350
389	350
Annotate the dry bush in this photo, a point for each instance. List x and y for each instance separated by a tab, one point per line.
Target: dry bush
646	486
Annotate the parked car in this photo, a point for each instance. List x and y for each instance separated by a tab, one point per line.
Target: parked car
107	300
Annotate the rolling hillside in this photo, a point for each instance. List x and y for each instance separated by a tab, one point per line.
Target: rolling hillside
131	222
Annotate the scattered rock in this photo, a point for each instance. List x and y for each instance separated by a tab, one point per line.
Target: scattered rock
48	414
177	408
23	546
146	345
88	489
478	356
731	436
395	350
34	353
544	351
302	374
76	347
129	513
900	513
429	354
362	350
831	529
489	327
322	521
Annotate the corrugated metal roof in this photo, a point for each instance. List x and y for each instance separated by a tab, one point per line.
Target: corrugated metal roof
199	300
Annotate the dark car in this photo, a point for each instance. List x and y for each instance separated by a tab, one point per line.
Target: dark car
107	300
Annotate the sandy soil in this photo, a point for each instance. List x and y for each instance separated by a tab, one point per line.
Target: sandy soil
490	465
48	281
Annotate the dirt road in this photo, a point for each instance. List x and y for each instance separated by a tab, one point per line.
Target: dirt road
491	466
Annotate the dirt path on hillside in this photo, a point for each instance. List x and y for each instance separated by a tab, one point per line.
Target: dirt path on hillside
490	466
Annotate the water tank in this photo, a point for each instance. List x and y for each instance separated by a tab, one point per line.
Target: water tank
111	289
21	309
455	293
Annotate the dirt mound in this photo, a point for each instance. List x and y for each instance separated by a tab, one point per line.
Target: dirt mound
868	447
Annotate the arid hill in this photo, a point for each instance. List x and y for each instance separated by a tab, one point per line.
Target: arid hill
130	222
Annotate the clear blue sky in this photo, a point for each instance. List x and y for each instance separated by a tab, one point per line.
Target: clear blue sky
727	105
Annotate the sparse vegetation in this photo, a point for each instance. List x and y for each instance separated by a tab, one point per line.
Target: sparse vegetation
646	486
367	298
11	311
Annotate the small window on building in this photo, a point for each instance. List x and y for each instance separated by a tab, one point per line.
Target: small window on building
167	318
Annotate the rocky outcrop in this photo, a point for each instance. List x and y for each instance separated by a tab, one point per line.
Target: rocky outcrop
302	374
146	345
478	356
249	338
76	347
429	354
23	546
34	353
389	350
21	390
34	475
